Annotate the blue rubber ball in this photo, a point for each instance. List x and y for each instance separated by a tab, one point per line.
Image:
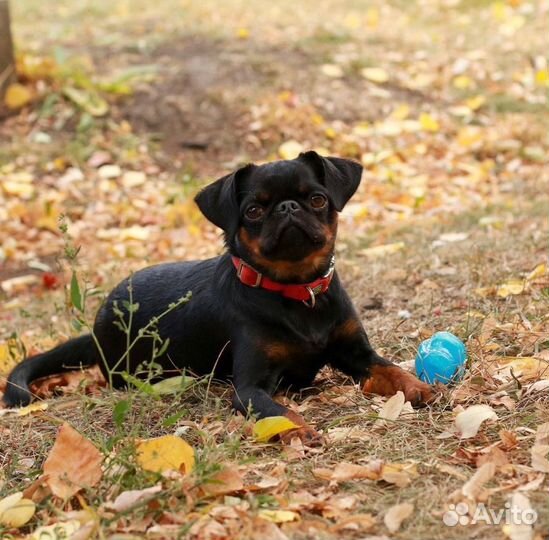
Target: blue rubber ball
441	358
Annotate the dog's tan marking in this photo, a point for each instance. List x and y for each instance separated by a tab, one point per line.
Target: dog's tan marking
348	329
303	270
388	380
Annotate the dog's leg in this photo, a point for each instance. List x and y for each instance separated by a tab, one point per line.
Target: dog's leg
255	381
351	352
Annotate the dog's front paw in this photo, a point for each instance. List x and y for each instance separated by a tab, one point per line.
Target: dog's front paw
417	392
306	434
387	380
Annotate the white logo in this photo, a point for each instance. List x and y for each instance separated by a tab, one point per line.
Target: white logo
459	514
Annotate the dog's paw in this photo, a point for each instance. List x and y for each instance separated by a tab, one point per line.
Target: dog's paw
418	393
388	380
306	434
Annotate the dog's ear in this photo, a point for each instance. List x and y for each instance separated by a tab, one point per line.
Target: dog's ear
219	200
340	176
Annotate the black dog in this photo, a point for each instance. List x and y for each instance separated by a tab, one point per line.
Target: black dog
270	312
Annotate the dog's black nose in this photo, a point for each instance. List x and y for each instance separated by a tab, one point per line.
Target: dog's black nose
287	207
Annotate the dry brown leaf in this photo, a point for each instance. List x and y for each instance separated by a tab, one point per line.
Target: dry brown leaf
357	522
227	480
72	464
474	487
131	498
396	515
542	434
495	455
539	453
349	471
469	421
392	407
400	474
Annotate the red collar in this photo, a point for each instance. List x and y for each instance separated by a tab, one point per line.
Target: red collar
306	292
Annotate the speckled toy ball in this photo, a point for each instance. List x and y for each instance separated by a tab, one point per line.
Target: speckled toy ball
441	358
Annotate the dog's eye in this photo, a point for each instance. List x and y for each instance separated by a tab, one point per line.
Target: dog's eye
254	212
318	201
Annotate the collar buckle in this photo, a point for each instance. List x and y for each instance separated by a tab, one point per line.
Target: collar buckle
258	275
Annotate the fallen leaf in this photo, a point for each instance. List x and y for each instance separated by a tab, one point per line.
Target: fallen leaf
290	149
72	464
399	474
375	74
392	407
511	287
164	454
539	271
332	70
17	96
396	515
88	100
61	529
128	499
173	385
428	123
278	516
267	428
469	421
349	471
7	362
539	454
33	407
227	480
16	511
474	486
380	251
525	368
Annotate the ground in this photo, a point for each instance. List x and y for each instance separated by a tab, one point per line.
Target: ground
127	108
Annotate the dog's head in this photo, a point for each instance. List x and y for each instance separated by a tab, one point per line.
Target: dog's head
281	217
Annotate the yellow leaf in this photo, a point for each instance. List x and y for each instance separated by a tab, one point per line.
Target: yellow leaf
469	136
164	454
267	428
380	251
17	96
428	123
539	271
290	149
61	529
372	17
462	82
278	516
332	70
401	112
526	368
511	287
88	100
242	33
15	511
475	102
33	407
7	363
375	74
542	77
